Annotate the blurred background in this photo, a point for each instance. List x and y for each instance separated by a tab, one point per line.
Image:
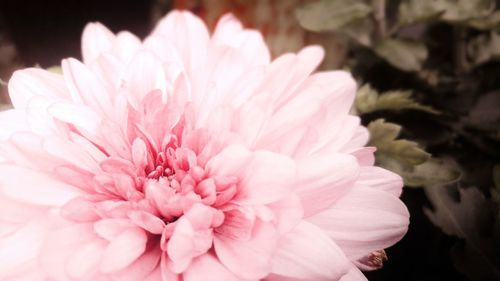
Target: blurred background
429	78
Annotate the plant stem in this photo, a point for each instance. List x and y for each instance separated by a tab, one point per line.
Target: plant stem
460	50
379	15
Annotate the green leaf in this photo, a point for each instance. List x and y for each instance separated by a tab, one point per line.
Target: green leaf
486	23
5	106
360	31
330	15
467	12
404	54
484	114
369	100
464	10
484	48
496	176
495	191
414	11
472	219
407	159
434	171
383	136
56	69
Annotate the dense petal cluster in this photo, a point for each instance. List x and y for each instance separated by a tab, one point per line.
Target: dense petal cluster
189	156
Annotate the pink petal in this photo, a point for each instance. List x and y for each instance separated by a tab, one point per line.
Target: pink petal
147	221
385	221
208	268
381	179
144	266
268	177
353	275
29	186
230	32
249	259
85	259
60	244
323	179
82	117
22	246
288	212
123	250
180	247
365	155
79	210
238	156
109	229
237	225
308	253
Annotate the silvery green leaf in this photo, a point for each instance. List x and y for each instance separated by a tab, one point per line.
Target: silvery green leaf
369	100
383	136
403	54
330	15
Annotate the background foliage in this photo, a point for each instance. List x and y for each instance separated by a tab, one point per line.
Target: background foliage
429	75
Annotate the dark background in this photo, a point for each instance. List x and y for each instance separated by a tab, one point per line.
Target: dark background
44	32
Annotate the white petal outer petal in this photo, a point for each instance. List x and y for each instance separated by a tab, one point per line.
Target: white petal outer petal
22	246
86	87
59	244
96	39
308	253
12	121
31	82
364	220
144	74
126	45
189	35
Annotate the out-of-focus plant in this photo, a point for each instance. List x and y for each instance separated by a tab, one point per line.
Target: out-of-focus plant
432	106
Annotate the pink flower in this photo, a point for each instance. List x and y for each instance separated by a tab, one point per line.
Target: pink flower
189	157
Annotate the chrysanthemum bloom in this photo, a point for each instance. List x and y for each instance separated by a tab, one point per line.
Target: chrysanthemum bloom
189	157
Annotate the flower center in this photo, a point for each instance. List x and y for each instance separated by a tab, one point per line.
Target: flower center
164	165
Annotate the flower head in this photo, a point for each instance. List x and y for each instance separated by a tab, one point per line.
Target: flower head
189	156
